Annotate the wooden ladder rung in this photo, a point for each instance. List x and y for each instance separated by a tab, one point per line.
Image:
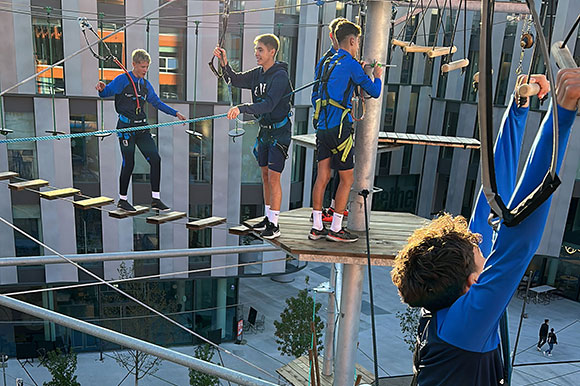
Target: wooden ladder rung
27	184
59	193
93	202
7	175
163	218
205	223
240	230
120	213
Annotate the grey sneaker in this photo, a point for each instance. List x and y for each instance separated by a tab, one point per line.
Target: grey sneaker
124	204
342	236
261	225
316	234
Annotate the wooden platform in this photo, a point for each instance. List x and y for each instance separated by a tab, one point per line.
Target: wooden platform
389	232
165	217
240	230
31	184
7	175
309	142
205	223
297	373
59	193
96	202
120	213
430	140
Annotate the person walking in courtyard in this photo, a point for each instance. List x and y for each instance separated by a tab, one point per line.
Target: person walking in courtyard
552	340
543	334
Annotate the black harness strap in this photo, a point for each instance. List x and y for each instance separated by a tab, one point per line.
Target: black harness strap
219	72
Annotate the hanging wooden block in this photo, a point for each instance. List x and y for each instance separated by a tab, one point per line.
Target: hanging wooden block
440	51
462	63
240	230
416	48
8	175
59	193
205	223
163	218
93	202
120	213
399	43
32	184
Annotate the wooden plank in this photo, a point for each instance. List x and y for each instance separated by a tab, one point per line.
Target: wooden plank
165	217
205	223
120	213
240	230
31	184
59	193
7	175
96	202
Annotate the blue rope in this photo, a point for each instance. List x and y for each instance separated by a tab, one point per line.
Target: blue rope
91	133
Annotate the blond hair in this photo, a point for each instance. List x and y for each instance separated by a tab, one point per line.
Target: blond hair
140	55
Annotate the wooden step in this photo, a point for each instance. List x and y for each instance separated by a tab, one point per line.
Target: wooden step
120	213
93	202
8	175
32	184
240	230
165	217
59	193
205	223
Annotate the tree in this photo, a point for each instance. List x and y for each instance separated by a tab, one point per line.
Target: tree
293	331
409	322
204	352
137	321
62	367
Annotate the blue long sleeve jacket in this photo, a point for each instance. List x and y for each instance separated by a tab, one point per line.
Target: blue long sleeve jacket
318	73
125	102
480	309
346	75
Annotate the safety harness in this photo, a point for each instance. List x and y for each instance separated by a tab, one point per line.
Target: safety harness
324	101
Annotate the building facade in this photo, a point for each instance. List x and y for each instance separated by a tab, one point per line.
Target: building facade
215	175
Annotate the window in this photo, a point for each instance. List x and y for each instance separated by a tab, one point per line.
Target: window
48	49
390	108
200	239
21	155
413	105
85	150
89	231
506	61
299	153
145	238
251	173
172	43
201	148
429	63
407	64
292	7
27	218
469	92
111	10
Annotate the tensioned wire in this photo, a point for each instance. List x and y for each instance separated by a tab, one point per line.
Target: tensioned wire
153	310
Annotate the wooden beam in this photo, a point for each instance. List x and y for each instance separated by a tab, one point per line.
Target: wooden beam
59	193
32	184
120	213
205	223
240	230
7	175
165	217
90	203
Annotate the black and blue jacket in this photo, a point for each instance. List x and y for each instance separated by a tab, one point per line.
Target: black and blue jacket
270	89
125	101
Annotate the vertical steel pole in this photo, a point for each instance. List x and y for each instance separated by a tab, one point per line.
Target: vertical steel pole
330	317
376	40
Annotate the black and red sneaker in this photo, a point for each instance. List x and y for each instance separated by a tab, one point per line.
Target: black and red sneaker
316	234
342	236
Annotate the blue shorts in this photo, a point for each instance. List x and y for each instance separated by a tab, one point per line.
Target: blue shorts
272	147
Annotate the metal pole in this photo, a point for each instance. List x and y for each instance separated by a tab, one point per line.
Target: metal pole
133	343
4	368
521	318
330	317
376	40
112	256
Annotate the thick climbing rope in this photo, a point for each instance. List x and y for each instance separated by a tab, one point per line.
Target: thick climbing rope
128	129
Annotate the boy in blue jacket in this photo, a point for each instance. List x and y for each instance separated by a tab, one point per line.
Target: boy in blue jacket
334	132
131	113
464	277
270	85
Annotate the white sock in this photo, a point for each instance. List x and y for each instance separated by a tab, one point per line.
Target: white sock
273	218
317	219
332	203
122	197
336	222
156	195
267	211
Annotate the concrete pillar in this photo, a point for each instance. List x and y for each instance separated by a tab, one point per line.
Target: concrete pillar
221	301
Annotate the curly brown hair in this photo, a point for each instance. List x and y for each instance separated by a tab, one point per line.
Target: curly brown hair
431	271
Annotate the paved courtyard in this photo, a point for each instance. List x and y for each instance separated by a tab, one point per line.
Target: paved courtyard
267	296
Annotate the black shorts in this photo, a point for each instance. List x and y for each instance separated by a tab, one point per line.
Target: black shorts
272	147
328	139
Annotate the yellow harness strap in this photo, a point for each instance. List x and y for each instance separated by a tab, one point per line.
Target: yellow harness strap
345	147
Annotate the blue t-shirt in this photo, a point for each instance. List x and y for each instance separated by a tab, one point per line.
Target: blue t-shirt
346	75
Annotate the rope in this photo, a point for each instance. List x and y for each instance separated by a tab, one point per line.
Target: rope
111	131
114	288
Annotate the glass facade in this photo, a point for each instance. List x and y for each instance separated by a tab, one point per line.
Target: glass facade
172	43
48	49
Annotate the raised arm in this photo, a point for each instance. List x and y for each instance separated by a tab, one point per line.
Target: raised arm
360	78
481	307
115	87
238	79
